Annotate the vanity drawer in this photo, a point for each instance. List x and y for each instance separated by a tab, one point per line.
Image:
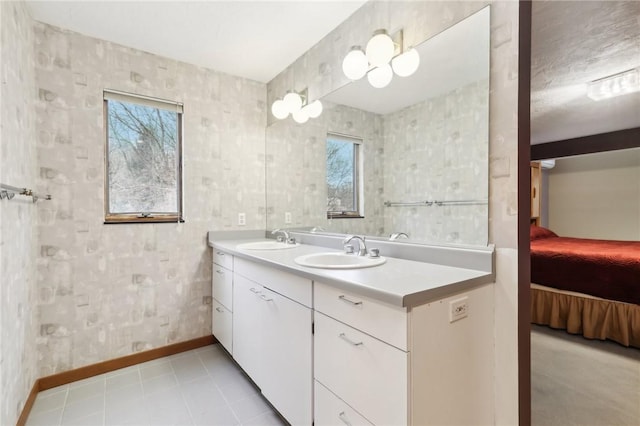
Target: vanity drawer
223	286
292	286
369	375
221	325
386	322
331	410
223	259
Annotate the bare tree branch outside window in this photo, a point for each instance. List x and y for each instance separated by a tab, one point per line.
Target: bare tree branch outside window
143	157
342	175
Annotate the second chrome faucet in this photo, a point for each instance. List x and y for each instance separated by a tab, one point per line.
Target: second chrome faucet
285	238
362	246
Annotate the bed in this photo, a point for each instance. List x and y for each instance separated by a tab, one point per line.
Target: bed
585	286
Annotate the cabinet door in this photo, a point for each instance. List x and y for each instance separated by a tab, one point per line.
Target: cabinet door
247	326
329	410
221	325
366	373
222	286
223	259
287	357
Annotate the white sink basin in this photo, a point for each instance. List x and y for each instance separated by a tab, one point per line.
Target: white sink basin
334	260
266	245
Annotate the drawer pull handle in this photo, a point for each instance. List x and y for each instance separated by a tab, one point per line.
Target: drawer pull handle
219	253
346	339
220	271
265	298
343	297
253	290
219	310
342	416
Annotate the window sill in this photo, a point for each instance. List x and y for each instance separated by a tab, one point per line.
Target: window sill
135	219
344	216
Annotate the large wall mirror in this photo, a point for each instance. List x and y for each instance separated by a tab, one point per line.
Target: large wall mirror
409	159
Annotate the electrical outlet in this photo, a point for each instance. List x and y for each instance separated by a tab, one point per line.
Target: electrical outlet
458	309
242	219
287	217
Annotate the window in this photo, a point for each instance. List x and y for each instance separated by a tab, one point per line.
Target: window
144	159
343	176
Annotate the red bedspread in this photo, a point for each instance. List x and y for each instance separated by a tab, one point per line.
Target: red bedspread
601	268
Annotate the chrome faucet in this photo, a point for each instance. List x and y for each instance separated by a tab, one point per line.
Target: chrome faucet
285	235
362	247
397	235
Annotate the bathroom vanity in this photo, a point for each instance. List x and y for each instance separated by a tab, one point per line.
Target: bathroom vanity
405	342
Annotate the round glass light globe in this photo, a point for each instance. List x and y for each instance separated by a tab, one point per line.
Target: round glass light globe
406	64
300	116
381	76
355	64
279	109
314	109
293	102
380	49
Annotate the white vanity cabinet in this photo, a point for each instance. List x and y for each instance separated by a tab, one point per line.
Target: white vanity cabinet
363	369
247	327
328	348
272	336
388	365
222	295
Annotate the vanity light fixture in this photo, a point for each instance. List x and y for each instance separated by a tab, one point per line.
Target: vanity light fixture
378	62
380	48
614	85
381	76
296	104
355	65
406	63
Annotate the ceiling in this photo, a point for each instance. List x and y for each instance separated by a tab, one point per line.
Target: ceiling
252	39
573	43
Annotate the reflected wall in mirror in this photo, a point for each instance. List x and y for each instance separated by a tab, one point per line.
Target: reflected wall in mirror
422	167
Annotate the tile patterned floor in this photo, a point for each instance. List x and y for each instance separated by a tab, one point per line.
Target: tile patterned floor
199	387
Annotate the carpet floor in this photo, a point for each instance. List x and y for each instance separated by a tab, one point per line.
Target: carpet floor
575	381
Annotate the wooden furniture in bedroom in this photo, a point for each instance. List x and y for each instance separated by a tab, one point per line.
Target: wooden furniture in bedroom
536	185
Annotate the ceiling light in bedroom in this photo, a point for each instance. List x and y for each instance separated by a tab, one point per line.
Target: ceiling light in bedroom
548	164
614	85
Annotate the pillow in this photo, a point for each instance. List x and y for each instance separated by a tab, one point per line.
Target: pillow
538	233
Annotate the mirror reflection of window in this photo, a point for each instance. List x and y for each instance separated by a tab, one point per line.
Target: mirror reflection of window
343	176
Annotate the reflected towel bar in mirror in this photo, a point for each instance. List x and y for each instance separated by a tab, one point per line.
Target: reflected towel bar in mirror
435	202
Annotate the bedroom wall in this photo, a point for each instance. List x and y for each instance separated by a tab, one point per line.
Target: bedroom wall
18	355
105	291
596	196
320	70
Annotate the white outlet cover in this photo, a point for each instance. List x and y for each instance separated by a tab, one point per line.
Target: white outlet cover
242	219
458	309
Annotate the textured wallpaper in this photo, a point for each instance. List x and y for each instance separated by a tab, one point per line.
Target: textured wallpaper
18	311
106	291
435	150
438	150
297	166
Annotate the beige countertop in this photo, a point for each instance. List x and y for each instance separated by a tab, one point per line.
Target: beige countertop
399	282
